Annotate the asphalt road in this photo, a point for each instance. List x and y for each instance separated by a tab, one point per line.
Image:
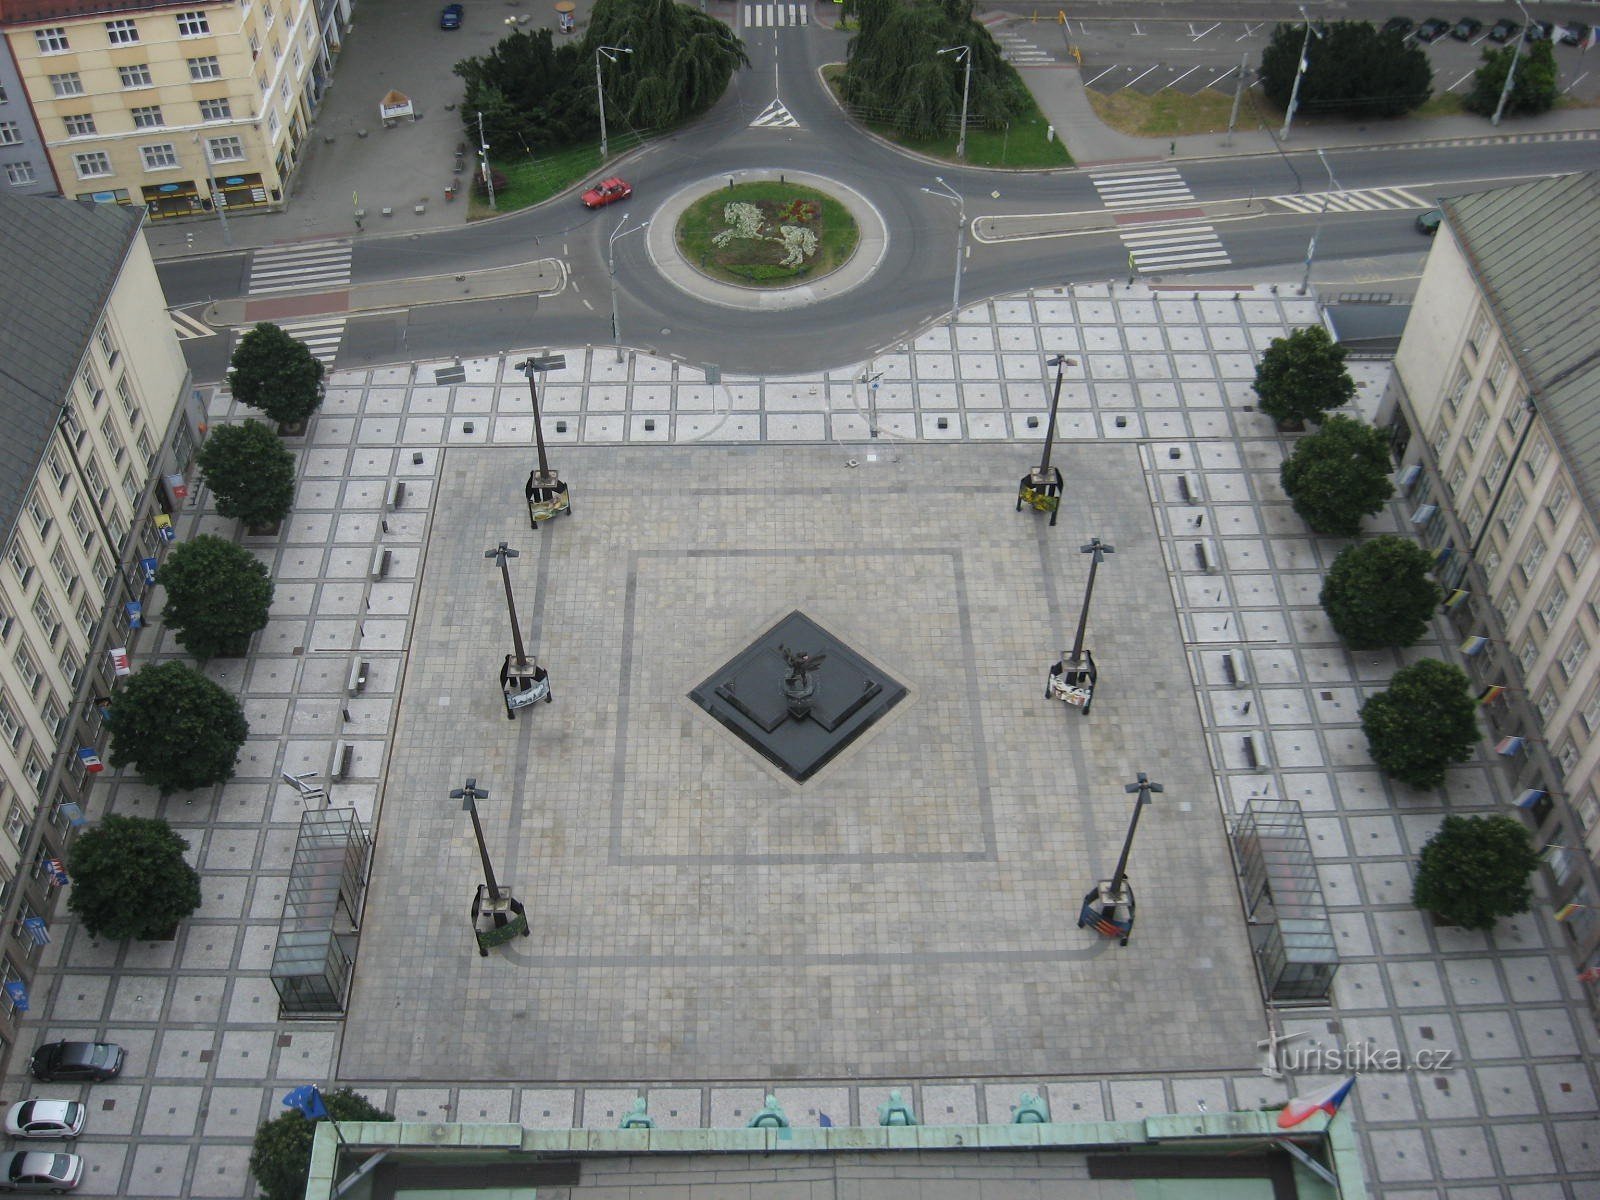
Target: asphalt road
911	287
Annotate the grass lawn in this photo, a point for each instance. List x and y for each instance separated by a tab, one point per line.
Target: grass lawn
1168	113
757	262
531	182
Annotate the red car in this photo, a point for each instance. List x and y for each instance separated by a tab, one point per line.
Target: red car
606	192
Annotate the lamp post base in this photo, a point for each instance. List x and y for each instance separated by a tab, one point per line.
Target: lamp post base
523	682
1040	489
496	920
1109	912
1072	680
547	497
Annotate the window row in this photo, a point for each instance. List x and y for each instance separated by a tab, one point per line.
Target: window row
159	156
54	40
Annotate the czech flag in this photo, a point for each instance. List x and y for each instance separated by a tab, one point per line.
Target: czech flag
1303	1108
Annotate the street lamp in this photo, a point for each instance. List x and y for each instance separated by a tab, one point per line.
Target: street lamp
1042	487
1073	679
483	162
547	496
1299	74
611	266
508	916
963	55
1511	71
1110	906
610	53
950	193
1322	211
522	680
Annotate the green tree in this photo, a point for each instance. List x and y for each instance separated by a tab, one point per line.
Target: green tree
179	730
1475	870
1533	90
130	879
250	471
1302	376
1379	593
280	1157
218	595
1426	720
277	374
1338	475
1353	68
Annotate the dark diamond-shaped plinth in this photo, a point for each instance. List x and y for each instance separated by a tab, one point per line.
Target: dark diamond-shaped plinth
747	696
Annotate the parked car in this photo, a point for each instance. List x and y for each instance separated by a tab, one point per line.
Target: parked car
1400	25
76	1060
45	1119
1466	29
450	17
1432	30
1503	30
1428	222
606	192
39	1171
1539	31
1576	33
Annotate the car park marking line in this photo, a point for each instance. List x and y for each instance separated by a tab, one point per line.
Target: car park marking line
1181	78
775	116
1249	32
1138	77
1195	37
1104	73
1213	83
187	327
1462	80
1137	32
1574	83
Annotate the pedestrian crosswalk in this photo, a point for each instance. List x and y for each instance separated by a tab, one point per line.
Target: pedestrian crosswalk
188	327
321	335
760	16
1142	189
775	116
308	267
1022	52
1174	248
1366	200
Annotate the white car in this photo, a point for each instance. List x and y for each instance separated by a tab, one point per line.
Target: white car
45	1119
39	1171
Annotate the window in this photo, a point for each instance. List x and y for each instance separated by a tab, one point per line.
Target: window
92	165
95	480
121	33
20	173
225	149
1556	504
64	569
255	44
146	451
272	123
261	83
10	133
1578	551
105	572
80	522
299	61
148	116
45	613
205	67
283	89
1474	518
1497	466
1480	418
1567	756
267	14
160	157
1457	478
55	716
193	24
35	769
66	84
130	405
1480	334
1538	452
71	422
1458	389
28	669
277	50
1588	810
113	439
6	620
1533	556
71	664
1526	653
1554	600
1572	657
1591	713
86	619
17	822
1546	704
57	471
52	40
136	76
216	110
132	488
1515	502
1498	372
42	519
10	724
20	562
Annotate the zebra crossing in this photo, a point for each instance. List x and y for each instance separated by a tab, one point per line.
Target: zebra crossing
762	16
1365	200
1142	189
321	335
775	116
187	327
1021	52
1174	248
312	266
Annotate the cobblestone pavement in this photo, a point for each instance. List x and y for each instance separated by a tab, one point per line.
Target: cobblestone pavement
1162	394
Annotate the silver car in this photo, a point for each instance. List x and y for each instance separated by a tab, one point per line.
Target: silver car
45	1119
39	1171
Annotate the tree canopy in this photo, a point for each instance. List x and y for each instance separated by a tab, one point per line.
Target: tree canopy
277	374
250	471
130	878
1302	377
179	730
1338	475
1533	90
1353	68
218	595
894	68
1379	593
1475	870
280	1157
536	96
1426	720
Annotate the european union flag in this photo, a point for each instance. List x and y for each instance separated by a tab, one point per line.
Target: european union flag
308	1100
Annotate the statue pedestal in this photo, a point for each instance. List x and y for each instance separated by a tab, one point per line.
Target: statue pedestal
496	920
1041	491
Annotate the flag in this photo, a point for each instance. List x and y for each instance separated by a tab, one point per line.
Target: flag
38	933
1456	598
1568	910
119	660
135	614
308	1100
824	1120
58	872
1509	746
1491	693
90	760
1303	1108
1589	975
1473	646
149	566
1593	39
18	993
1530	797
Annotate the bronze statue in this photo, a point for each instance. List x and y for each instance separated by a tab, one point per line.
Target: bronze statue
800	663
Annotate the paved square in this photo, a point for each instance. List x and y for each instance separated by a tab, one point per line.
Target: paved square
911	911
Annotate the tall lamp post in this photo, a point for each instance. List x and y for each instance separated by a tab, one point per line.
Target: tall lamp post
610	53
950	193
1299	74
522	680
611	267
963	55
1041	487
1322	211
507	915
1073	678
547	496
1109	907
1511	71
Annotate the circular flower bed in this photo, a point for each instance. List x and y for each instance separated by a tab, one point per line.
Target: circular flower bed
767	234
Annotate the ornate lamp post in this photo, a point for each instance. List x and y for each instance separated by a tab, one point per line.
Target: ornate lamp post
1073	678
507	916
1109	907
1041	487
547	496
522	680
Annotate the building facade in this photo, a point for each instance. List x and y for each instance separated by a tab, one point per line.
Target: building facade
100	427
1495	406
173	106
24	162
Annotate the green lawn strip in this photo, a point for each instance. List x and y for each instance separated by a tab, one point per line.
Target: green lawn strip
530	182
749	262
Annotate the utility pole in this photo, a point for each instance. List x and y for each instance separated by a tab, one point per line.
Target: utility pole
1511	71
1299	74
483	157
611	269
950	193
963	55
1238	95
